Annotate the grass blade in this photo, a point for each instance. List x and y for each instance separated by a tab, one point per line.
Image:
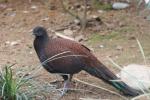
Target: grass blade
142	51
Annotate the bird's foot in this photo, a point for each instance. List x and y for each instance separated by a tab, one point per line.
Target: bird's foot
64	91
65	88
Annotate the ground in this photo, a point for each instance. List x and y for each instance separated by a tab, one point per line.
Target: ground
115	39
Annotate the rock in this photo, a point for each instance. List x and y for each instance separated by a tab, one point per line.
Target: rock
100	11
68	32
45	19
30	52
101	46
120	5
77	22
25	12
147	1
7	42
94	17
13	43
33	7
9	9
136	76
132	46
12	14
119	48
79	38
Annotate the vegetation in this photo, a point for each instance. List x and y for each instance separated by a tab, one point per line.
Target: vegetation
10	85
18	87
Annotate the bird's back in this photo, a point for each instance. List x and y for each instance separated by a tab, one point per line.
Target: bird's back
72	59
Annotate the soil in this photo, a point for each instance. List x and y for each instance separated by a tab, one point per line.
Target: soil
17	19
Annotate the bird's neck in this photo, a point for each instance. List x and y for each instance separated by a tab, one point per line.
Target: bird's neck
40	42
39	45
43	38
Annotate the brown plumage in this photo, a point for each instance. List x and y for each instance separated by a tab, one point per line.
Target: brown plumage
74	58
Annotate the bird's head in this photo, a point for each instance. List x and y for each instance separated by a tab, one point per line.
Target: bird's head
39	31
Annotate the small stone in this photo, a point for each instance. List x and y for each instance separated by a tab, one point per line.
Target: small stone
79	38
7	42
77	5
76	21
14	43
12	14
119	48
25	12
30	52
101	46
132	46
33	7
100	11
116	57
9	9
68	32
45	19
146	1
94	16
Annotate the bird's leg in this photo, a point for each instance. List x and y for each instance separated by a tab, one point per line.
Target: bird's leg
67	79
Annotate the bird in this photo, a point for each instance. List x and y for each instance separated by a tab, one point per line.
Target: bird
67	57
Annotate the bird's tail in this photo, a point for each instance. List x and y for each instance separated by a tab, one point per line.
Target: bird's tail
102	72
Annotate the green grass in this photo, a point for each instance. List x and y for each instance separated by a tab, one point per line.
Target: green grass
101	5
94	38
126	29
3	1
10	86
18	86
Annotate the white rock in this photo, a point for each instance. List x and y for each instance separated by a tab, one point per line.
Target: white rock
101	46
136	76
45	19
76	21
146	1
7	42
68	32
13	43
120	5
34	7
94	16
100	11
79	38
30	52
25	12
12	14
